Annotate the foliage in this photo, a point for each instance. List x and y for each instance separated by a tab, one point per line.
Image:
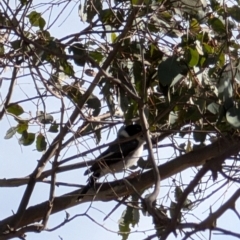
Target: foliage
173	63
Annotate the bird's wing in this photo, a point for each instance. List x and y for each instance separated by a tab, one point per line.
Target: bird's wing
112	155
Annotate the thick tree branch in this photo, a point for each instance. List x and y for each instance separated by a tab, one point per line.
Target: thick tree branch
209	165
116	189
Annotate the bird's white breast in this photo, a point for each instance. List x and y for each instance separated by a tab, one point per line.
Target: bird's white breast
123	164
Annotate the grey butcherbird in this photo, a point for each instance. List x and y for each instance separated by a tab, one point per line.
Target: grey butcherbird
118	157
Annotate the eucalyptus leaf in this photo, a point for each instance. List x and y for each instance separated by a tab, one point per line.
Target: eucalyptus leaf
22	126
171	69
192	57
75	93
234	12
89	10
66	67
217	25
36	19
97	56
41	143
113	37
111	18
15	109
10	132
27	138
54	127
129	216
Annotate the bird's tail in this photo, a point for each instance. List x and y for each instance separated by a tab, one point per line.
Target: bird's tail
90	184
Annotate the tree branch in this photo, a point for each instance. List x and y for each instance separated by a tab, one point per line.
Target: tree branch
117	189
56	142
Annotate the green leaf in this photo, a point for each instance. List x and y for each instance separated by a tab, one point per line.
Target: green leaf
54	127
76	93
171	70
46	35
107	16
67	67
19	44
113	37
195	26
214	5
135	2
111	18
234	12
208	48
192	57
42	23
27	138
221	59
97	56
217	25
44	118
129	216
89	10
15	109
22	126
10	132
41	143
24	2
36	20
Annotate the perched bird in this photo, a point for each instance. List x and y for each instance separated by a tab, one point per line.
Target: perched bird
118	157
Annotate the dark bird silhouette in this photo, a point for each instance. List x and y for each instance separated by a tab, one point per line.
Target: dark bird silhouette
118	157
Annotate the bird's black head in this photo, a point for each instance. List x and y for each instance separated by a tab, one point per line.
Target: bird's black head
130	130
